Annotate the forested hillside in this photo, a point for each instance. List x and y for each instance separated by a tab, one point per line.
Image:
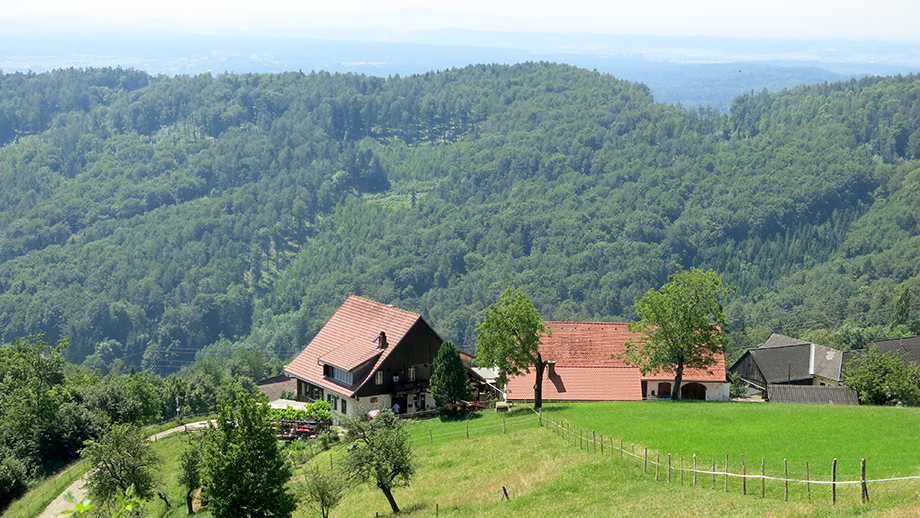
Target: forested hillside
150	218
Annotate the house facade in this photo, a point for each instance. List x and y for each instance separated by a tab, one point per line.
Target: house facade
584	365
368	356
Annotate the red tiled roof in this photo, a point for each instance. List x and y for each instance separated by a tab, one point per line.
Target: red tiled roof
587	367
581	384
347	338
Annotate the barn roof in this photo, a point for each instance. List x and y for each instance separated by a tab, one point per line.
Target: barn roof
588	365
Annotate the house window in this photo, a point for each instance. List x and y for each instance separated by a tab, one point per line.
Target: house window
373	400
412	373
344	411
378	378
338	374
664	390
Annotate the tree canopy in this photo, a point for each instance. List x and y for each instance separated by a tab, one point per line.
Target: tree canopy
449	382
245	473
682	325
882	379
509	338
382	454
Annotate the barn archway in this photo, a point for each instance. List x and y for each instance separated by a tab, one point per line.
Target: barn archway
693	391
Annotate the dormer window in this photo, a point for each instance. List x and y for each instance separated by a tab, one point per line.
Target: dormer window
378	378
412	373
340	375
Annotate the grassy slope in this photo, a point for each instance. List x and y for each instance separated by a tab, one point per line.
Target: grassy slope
547	476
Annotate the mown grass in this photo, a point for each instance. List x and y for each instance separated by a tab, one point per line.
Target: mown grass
547	476
885	436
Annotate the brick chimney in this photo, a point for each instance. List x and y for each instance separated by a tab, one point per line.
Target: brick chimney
381	340
550	369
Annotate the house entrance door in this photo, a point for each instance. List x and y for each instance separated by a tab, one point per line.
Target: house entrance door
401	401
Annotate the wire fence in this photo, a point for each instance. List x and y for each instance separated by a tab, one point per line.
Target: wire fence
749	476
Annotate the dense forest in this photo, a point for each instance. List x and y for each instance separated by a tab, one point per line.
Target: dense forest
158	219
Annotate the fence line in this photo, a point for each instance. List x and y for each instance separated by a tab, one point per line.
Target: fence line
564	429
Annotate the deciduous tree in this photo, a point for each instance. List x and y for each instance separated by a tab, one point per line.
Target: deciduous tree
122	458
882	379
245	474
509	338
681	325
382	453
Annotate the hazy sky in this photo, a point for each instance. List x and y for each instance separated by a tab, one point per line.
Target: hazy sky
890	20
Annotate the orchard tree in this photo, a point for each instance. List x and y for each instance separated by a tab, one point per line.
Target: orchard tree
382	453
189	476
681	325
245	473
509	339
123	458
448	381
323	490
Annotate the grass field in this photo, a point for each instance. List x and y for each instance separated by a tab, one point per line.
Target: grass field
545	475
887	437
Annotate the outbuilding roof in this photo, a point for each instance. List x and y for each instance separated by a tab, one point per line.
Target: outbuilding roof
588	366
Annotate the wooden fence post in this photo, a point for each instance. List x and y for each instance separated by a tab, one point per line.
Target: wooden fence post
467	428
713	471
681	470
743	475
726	473
602	444
694	470
786	471
763	479
594	440
865	488
621	448
808	481
646	459
834	482
430	437
669	468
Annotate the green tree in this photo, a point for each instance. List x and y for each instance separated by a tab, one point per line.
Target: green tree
681	325
509	339
123	457
189	475
901	314
245	474
882	379
323	490
448	381
382	453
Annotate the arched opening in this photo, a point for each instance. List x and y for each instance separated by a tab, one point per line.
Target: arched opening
664	390
693	391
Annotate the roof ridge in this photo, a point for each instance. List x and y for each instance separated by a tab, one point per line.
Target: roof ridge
382	305
580	322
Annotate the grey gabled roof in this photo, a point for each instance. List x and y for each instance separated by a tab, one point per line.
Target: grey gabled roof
782	360
813	394
906	348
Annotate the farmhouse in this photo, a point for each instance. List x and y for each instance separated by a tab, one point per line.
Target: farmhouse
782	360
584	366
368	355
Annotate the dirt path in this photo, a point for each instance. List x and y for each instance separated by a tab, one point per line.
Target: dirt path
58	505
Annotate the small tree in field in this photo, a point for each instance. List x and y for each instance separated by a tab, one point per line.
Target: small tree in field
448	381
509	339
681	325
382	453
189	476
245	474
323	490
123	458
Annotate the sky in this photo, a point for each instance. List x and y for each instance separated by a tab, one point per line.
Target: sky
882	20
